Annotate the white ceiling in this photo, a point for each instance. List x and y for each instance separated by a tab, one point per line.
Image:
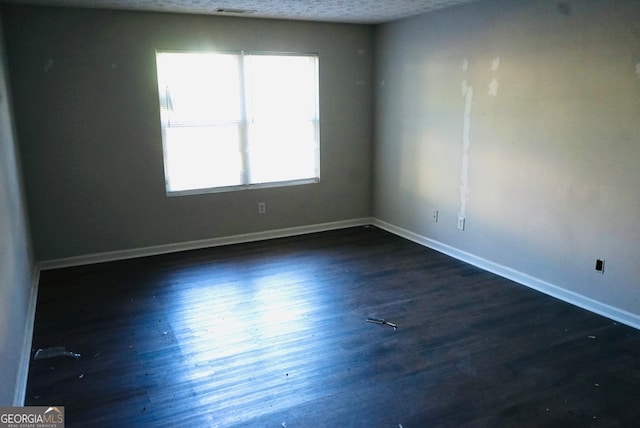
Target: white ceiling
347	11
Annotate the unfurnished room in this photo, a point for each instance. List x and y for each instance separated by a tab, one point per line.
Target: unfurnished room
395	213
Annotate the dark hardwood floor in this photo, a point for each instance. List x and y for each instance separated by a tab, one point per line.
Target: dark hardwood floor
274	334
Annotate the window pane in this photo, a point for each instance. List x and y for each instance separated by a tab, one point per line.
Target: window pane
202	157
282	151
199	89
282	109
282	87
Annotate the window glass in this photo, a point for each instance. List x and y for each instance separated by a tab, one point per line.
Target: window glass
236	120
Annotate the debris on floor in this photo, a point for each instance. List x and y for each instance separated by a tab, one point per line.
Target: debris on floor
382	322
592	337
54	352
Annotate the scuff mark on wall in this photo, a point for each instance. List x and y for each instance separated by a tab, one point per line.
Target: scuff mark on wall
467	92
564	8
465	64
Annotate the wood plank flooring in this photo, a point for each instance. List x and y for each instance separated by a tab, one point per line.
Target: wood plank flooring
274	334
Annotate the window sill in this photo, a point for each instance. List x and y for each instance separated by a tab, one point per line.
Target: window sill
242	187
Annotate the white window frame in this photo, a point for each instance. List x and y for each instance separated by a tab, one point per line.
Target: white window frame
244	125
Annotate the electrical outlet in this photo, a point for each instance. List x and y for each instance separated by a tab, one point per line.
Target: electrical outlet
434	216
600	265
262	207
461	221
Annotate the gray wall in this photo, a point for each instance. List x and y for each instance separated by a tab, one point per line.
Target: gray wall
16	265
87	115
553	156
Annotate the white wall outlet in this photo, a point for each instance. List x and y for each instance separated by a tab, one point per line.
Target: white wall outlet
434	216
262	207
461	221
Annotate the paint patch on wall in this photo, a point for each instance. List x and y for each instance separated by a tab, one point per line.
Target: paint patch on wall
638	69
467	92
495	64
493	87
465	64
464	87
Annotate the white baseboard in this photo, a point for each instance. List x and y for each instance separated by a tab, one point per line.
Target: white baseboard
545	287
23	371
204	243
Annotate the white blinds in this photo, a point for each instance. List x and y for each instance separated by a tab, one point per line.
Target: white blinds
234	119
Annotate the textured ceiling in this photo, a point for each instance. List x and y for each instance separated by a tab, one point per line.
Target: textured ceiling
348	11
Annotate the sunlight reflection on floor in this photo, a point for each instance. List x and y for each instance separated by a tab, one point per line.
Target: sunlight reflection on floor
260	338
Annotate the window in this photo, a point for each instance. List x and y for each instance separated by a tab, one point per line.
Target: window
238	120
